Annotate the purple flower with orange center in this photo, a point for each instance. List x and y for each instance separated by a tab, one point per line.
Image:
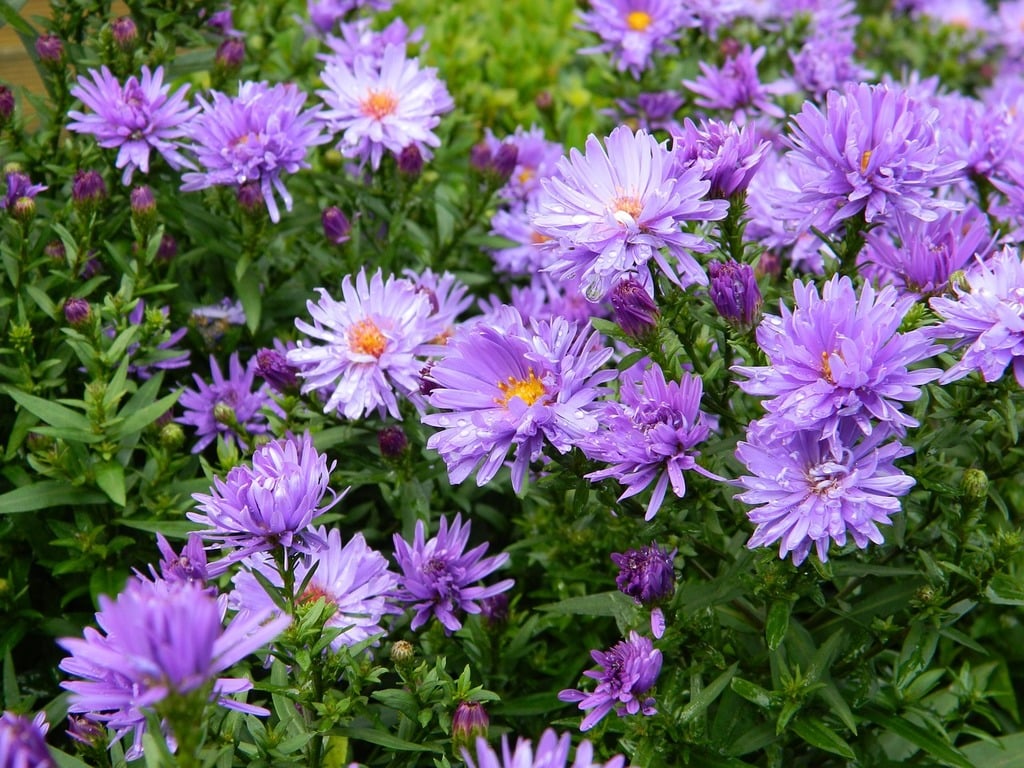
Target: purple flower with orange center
633	31
502	384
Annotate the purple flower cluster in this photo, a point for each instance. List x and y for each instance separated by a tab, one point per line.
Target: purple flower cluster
552	752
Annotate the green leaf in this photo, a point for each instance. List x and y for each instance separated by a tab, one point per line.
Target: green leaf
601	604
777	623
110	479
817	734
64	760
50	412
248	288
701	701
921	737
48	493
752	692
1003	589
384	739
1008	752
403	701
143	417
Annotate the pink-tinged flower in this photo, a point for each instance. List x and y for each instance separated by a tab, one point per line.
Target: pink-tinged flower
440	578
552	752
134	118
873	151
227	407
987	317
809	491
23	741
611	211
633	31
159	640
626	671
353	579
388	105
253	138
736	88
370	342
650	436
268	505
501	384
838	358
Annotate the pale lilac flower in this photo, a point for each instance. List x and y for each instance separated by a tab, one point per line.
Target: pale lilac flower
253	138
388	105
353	579
370	340
633	31
227	406
552	752
650	436
134	118
527	256
440	578
839	357
159	639
269	504
808	491
357	40
447	297
626	671
502	384
536	159
736	88
987	317
612	210
971	16
326	13
23	741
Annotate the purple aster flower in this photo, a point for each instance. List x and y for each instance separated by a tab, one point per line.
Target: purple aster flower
447	297
552	752
160	639
388	106
650	436
19	185
502	384
356	40
650	111
808	491
632	31
227	407
270	504
873	151
326	13
370	342
536	159
612	210
189	565
626	671
734	292
727	154
157	343
134	118
527	256
544	299
838	358
648	576
23	741
736	87
439	575
987	317
353	579
253	137
273	366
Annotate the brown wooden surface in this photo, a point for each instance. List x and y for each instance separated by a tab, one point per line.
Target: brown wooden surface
16	68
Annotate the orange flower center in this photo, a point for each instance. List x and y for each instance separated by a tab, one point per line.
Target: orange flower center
638	21
864	160
379	104
529	390
538	239
366	338
526	174
627	204
826	368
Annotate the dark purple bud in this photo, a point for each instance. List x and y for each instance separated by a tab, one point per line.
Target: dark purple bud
125	33
50	49
410	161
734	292
544	101
730	47
337	227
168	248
55	250
635	311
469	723
143	202
6	105
427	384
480	157
250	197
88	190
494	609
646	574
505	161
769	265
77	311
230	56
279	373
392	441
92	267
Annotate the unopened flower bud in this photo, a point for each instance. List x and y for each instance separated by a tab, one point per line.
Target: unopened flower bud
250	197
646	574
92	267
278	372
224	414
229	57
88	191
88	732
403	654
505	161
410	161
494	609
143	202
958	282
734	292
172	436
974	487
469	723
124	33
392	442
55	250
77	311
544	101
23	210
480	157
50	50
635	311
6	106
768	265
336	225
168	248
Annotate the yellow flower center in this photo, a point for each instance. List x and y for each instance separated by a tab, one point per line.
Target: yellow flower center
626	209
366	338
826	368
526	174
864	160
638	21
379	104
529	390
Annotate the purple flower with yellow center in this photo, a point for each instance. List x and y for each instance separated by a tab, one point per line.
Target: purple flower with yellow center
440	578
254	137
386	105
370	340
267	505
227	406
873	151
839	357
987	317
626	671
134	118
633	31
23	741
612	210
501	384
737	89
527	256
808	491
650	436
552	752
160	640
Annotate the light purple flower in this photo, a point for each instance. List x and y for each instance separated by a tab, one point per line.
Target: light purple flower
736	88
652	111
536	159
134	118
633	31
612	210
987	317
388	105
23	741
439	577
527	256
727	154
552	752
626	671
227	407
357	40
808	491
326	13
353	579
19	185
253	138
189	565
650	436
837	358
502	384
370	342
159	639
